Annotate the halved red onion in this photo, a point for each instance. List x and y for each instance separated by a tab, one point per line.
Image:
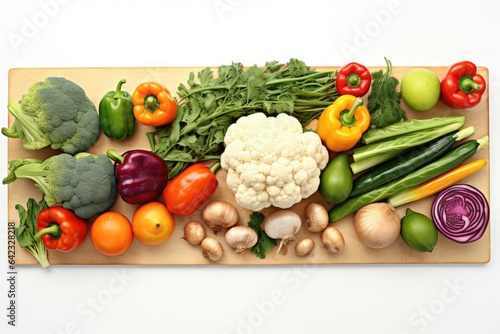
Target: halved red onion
461	213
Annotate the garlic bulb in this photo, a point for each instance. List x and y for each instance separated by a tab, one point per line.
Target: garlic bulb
194	232
219	215
377	225
316	217
241	238
283	224
212	249
304	247
333	240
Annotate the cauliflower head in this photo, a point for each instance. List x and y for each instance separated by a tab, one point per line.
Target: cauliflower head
271	161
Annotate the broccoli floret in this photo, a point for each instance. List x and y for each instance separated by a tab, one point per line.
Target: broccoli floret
84	183
55	113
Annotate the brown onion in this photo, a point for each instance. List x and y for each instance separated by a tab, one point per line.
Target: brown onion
377	225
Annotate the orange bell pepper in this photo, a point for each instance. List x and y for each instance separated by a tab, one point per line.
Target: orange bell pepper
342	123
153	104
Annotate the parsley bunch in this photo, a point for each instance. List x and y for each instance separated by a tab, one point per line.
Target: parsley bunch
209	104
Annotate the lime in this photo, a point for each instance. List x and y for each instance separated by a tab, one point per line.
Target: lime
418	231
420	89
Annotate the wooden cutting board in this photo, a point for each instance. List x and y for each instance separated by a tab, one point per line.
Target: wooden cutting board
175	251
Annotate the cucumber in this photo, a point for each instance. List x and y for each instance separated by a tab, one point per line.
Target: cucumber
449	160
402	164
336	179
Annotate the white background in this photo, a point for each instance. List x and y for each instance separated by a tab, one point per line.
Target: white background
393	299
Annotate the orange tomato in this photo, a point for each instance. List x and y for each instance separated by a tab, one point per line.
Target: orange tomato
111	233
153	223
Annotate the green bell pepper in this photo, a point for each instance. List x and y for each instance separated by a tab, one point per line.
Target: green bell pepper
116	113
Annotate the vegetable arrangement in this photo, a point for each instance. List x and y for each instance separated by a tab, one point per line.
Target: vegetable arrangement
209	105
250	131
451	159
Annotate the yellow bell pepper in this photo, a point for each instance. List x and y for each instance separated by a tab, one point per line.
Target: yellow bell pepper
342	123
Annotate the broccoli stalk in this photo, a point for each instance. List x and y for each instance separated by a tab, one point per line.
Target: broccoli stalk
37	171
84	183
25	127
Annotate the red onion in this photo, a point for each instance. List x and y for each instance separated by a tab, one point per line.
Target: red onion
461	213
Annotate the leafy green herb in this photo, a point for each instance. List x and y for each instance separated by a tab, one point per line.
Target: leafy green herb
26	230
209	104
264	244
384	101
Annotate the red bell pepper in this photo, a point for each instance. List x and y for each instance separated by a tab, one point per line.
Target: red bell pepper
60	229
141	175
190	189
462	87
353	79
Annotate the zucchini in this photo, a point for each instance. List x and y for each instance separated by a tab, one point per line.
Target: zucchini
407	162
446	162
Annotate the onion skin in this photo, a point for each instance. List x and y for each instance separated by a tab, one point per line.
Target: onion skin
194	232
219	214
377	225
304	247
461	213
